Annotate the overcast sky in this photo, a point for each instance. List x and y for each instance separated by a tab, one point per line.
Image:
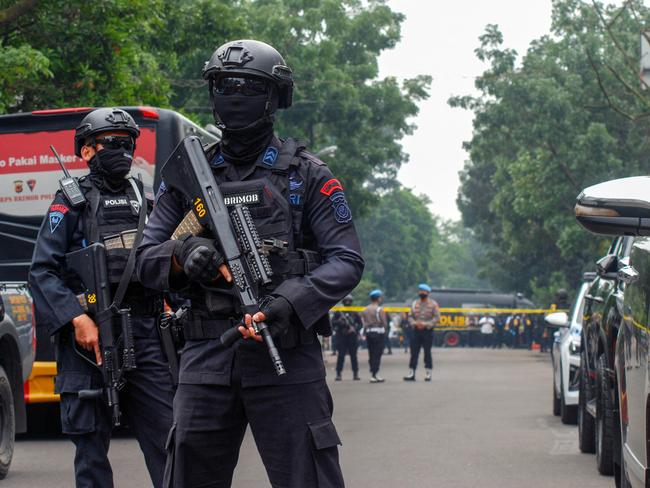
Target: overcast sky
438	39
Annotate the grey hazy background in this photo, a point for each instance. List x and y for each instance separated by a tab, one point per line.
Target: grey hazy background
438	39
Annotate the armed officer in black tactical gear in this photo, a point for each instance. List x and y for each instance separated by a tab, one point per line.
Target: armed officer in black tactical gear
347	326
110	215
300	207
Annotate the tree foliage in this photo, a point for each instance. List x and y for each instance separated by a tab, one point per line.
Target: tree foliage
396	238
404	245
60	53
544	129
77	55
455	257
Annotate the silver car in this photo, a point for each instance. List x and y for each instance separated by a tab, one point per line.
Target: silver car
566	355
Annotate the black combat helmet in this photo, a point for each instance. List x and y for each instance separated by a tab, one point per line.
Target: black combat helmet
248	58
104	120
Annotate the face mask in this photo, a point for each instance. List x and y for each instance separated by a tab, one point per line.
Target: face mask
113	164
239	111
423	295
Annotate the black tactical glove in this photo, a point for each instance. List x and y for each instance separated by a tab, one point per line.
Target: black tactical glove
278	312
198	257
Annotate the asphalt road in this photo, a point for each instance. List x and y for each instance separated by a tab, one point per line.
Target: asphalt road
485	420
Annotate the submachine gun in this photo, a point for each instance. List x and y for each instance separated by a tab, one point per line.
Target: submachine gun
188	170
115	333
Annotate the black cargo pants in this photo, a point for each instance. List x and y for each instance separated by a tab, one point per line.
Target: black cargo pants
291	425
347	344
375	350
421	339
146	404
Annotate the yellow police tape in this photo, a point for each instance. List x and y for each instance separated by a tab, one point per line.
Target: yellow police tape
529	311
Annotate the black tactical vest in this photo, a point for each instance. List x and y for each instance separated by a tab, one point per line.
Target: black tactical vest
274	194
111	218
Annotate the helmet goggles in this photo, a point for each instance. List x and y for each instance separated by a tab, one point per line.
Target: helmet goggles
115	142
228	85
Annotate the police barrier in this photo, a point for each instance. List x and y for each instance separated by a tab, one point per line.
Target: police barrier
457	324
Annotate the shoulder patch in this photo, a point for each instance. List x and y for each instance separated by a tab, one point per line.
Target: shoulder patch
217	160
270	156
56	214
331	186
342	212
162	189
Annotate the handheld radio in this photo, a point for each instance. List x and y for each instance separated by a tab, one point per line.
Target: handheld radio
69	185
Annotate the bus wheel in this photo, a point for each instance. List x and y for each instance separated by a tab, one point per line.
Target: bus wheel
451	339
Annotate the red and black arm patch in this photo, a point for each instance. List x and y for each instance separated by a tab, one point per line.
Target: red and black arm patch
56	214
332	185
333	190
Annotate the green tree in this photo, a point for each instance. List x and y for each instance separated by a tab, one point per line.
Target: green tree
396	238
332	47
543	130
59	53
79	55
455	257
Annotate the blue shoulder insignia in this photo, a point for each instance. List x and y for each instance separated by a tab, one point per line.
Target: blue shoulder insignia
270	156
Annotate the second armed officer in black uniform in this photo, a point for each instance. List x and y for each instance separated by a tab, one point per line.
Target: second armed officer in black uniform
347	326
111	215
294	199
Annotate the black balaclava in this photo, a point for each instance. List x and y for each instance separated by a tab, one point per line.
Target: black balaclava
246	123
109	167
423	295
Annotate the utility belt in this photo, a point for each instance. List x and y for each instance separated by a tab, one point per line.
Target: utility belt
197	327
145	307
150	306
376	330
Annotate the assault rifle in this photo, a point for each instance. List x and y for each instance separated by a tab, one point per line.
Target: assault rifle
188	170
115	333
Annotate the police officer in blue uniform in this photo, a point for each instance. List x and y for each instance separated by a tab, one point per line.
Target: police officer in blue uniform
105	140
296	202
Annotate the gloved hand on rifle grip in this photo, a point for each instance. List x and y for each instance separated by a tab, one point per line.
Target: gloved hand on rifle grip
276	312
198	257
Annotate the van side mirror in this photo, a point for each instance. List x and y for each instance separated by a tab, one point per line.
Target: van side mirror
616	207
557	320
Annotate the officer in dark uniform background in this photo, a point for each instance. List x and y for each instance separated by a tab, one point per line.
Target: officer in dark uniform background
347	326
105	140
293	197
